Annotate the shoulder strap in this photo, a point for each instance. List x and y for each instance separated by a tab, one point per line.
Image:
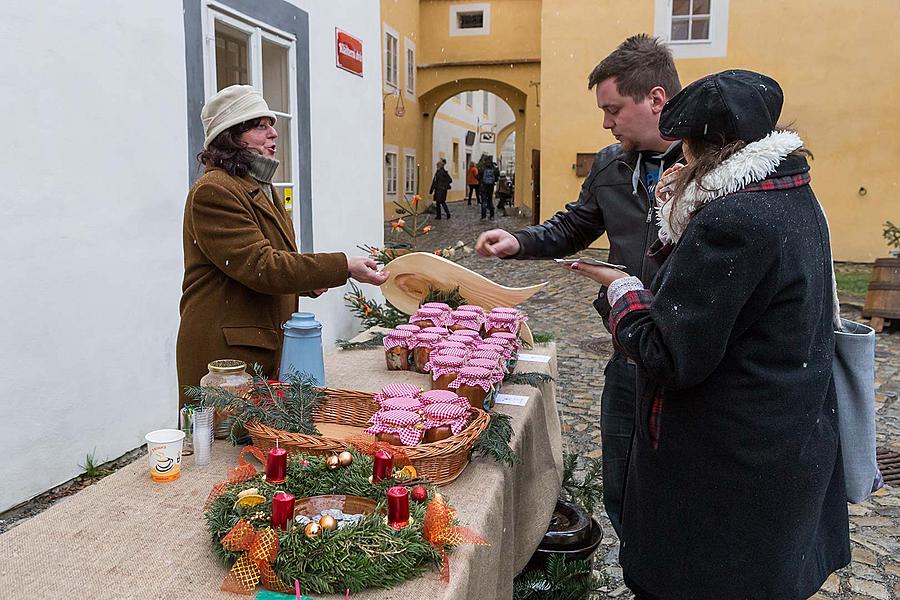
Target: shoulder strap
836	317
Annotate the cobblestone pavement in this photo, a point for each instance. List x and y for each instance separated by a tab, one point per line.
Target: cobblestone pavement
564	309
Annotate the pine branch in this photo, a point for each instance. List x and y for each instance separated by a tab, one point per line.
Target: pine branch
543	337
451	298
532	378
375	341
892	234
587	491
494	441
560	580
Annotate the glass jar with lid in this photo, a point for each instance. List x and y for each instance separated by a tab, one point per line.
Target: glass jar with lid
229	375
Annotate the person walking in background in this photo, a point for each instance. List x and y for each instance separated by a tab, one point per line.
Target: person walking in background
631	85
472	183
439	186
504	192
488	176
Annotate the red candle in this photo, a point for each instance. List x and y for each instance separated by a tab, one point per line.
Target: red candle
276	465
398	507
282	509
383	466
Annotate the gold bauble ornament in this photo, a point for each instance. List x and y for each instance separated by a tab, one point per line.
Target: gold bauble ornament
333	462
345	458
328	523
312	530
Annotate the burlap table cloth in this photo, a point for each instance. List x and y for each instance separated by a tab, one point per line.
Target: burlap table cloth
126	537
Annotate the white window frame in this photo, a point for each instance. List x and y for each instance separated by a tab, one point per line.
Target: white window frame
388	179
470	101
484	8
409	53
258	31
410	176
485	108
715	47
390	32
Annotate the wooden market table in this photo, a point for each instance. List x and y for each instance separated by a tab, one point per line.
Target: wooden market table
127	537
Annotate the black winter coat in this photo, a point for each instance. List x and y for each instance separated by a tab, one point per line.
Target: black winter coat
742	495
613	200
441	181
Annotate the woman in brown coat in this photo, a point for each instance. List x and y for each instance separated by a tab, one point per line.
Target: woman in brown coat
242	270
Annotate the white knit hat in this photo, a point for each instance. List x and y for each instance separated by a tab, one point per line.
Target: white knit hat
234	104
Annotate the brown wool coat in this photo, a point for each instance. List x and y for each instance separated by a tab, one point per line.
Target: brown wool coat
242	276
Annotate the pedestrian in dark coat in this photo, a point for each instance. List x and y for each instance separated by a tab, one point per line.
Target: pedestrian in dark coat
440	183
735	487
488	175
242	270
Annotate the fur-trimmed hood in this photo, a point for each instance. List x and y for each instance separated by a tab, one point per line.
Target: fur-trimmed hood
752	163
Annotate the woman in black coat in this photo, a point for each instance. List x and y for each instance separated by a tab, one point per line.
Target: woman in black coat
735	488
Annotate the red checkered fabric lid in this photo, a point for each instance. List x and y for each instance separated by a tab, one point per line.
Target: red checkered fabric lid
440	305
474	376
397	338
472	308
467	319
450	344
426	340
466	333
440	330
407	327
399	418
465	340
444	412
460	352
394	390
488	346
484	363
402	403
482	354
442	397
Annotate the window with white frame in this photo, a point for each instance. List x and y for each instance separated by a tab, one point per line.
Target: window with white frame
390	172
245	51
470	19
484	102
693	28
410	174
410	67
470	99
391	59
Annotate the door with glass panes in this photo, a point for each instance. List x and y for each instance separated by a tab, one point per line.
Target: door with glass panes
241	50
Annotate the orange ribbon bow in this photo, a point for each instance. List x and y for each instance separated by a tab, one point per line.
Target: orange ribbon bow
242	472
255	564
439	530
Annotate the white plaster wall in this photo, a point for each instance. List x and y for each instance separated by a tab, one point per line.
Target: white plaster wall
95	178
346	141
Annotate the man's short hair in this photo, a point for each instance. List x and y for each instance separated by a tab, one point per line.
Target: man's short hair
639	64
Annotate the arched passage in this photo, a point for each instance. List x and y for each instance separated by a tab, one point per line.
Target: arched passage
432	99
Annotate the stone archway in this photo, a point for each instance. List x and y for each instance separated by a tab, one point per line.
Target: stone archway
526	124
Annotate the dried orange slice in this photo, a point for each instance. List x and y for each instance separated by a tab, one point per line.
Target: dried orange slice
407	472
250	500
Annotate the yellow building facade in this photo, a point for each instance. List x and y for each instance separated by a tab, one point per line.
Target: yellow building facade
836	62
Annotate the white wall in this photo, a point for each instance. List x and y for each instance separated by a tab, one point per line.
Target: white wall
96	177
346	141
95	180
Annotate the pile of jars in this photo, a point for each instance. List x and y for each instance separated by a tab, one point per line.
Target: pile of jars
408	416
466	350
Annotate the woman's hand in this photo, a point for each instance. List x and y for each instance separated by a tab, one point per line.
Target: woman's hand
663	191
602	275
365	270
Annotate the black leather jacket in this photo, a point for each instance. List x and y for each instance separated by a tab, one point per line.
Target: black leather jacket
614	200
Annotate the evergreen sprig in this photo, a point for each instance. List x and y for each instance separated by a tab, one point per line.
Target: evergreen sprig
451	298
371	312
494	440
289	405
532	378
543	337
892	234
560	580
366	555
373	342
588	490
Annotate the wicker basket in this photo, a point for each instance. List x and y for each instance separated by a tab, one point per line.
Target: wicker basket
441	462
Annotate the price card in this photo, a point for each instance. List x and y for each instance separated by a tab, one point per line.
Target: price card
511	399
537	358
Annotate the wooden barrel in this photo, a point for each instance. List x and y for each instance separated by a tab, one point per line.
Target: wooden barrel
883	297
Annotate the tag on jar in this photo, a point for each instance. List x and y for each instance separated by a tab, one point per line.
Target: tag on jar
536	358
511	399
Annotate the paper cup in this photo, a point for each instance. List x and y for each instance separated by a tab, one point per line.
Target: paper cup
164	454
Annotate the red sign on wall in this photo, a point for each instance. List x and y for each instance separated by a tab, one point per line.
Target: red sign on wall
349	52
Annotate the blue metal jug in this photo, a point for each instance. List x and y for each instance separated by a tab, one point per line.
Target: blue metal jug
302	349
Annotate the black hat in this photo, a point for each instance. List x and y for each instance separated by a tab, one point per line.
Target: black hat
737	104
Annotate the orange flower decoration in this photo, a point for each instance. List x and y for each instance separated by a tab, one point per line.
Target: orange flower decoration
426	229
255	565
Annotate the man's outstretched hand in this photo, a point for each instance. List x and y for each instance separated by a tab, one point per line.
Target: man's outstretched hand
497	242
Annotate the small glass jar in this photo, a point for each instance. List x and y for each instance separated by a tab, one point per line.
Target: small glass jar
511	346
462	319
440	397
496	358
466	340
424	344
427	317
231	376
504	319
397	390
396	349
397	427
444	370
476	385
445	311
444	420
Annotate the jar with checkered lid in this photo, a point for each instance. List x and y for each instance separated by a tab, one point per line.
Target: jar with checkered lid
444	420
421	349
444	369
428	317
397	427
397	390
462	319
504	319
476	384
396	349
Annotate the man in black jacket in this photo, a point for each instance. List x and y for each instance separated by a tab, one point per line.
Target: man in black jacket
439	186
632	85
